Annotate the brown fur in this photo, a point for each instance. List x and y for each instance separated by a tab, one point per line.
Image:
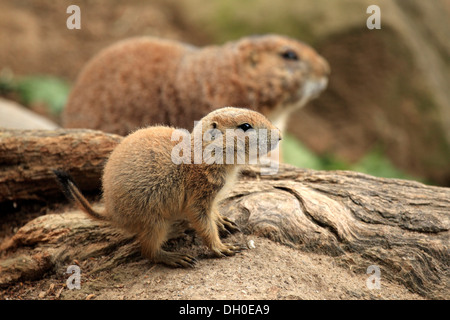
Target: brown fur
146	193
146	81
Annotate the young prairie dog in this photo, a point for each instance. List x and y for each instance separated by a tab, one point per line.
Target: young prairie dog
148	185
146	81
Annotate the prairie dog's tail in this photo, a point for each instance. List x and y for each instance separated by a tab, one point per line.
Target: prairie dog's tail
72	192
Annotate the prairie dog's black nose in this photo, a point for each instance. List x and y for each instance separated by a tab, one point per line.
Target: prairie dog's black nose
280	137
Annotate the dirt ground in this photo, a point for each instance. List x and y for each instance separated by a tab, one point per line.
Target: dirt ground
269	271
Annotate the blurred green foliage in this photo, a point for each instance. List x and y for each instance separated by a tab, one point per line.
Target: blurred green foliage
374	163
232	19
47	90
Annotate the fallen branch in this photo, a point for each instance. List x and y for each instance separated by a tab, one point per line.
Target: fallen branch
27	157
401	226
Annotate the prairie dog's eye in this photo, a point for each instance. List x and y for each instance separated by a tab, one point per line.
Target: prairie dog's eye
289	55
245	126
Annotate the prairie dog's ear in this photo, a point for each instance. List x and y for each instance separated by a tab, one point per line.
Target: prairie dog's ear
213	131
247	52
253	58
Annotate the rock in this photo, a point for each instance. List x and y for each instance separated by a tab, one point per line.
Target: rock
15	116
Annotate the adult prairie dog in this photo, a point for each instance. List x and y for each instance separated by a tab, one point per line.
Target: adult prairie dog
147	81
148	186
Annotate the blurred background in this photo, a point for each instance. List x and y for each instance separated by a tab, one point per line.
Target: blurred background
386	111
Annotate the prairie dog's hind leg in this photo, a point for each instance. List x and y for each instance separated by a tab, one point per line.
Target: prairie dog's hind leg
178	229
151	242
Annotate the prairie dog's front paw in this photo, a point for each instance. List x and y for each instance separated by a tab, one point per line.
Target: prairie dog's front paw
227	250
226	226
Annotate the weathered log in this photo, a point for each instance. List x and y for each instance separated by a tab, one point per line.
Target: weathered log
401	226
27	157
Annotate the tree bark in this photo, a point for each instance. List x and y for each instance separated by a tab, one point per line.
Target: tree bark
401	226
27	157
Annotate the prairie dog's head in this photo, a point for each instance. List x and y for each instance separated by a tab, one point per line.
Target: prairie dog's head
235	136
278	70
